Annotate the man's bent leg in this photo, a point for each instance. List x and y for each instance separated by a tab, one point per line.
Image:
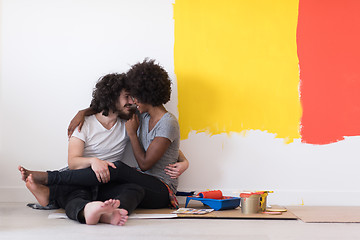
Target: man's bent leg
129	194
75	203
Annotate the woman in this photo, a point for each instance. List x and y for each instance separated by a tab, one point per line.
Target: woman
156	147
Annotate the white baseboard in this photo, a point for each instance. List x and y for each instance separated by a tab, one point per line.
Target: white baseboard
16	194
279	197
314	198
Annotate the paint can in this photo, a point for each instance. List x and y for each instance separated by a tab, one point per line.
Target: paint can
250	202
263	199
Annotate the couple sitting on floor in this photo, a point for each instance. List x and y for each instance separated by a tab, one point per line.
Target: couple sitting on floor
99	187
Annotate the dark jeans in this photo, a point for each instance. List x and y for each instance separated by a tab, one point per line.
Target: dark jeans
74	198
156	192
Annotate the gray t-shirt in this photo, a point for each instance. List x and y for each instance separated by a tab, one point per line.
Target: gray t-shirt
167	127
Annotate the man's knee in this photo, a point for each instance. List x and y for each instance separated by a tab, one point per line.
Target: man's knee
135	187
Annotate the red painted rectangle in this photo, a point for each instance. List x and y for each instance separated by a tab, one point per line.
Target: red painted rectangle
328	40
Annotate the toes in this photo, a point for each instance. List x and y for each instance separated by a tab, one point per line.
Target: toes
124	212
123	221
116	203
30	178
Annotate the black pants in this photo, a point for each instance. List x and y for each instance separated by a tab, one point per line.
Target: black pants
74	198
156	192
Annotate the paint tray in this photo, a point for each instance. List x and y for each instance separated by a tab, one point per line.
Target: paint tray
217	204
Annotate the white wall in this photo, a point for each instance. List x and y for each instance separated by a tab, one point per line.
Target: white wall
52	53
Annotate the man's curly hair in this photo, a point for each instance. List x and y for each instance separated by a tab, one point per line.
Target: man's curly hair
149	83
106	92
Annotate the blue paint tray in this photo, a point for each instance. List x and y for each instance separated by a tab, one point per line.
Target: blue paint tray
217	204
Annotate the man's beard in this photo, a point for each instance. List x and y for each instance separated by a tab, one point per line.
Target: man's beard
126	116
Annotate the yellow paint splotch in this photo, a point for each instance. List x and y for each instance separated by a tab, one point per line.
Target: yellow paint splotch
237	67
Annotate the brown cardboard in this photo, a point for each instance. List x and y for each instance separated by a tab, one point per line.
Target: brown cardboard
327	214
223	214
226	214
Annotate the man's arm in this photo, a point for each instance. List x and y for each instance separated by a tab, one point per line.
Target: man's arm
77	161
75	154
79	119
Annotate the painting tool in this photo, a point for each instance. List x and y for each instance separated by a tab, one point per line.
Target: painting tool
214	194
215	200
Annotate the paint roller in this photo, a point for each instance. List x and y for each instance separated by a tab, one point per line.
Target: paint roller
214	194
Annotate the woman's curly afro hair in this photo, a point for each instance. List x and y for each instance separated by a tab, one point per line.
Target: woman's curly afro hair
149	83
106	92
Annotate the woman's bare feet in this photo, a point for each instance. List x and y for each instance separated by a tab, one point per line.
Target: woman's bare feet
38	177
23	172
105	212
40	191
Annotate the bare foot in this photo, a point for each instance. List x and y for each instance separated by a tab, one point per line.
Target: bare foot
23	172
40	192
105	212
117	217
38	177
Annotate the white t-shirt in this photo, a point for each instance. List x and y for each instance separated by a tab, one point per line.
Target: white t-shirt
100	142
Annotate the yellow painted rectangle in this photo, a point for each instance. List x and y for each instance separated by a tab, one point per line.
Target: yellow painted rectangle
237	67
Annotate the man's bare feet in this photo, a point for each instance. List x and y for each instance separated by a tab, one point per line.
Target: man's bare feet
38	177
118	217
105	212
40	191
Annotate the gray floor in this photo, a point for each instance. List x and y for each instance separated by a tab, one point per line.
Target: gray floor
20	222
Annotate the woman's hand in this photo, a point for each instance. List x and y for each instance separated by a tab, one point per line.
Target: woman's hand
101	169
132	125
77	121
176	169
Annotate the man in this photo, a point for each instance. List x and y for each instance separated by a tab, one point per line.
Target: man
101	142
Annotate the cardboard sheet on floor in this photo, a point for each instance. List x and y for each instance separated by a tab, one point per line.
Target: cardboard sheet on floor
327	214
60	214
226	214
167	213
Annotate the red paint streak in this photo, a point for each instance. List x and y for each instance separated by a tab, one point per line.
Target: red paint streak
328	40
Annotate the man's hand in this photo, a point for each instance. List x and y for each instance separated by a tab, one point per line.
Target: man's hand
101	169
77	121
175	170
